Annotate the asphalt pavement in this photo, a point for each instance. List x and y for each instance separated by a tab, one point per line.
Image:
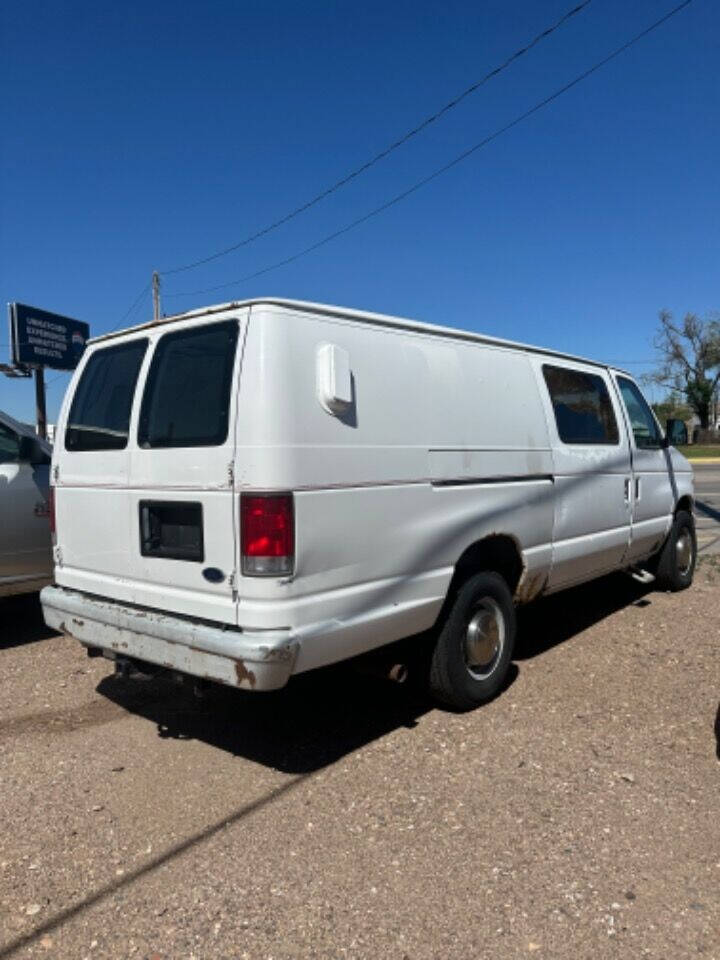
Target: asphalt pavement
707	506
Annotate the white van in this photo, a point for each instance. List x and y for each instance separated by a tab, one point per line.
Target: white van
253	490
25	545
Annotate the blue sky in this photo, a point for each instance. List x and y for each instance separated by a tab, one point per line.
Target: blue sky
146	135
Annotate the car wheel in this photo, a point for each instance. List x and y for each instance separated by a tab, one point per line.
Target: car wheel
473	650
676	560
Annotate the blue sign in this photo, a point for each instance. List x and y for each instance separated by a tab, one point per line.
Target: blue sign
43	339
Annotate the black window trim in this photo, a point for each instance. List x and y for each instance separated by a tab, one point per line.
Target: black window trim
609	394
141	436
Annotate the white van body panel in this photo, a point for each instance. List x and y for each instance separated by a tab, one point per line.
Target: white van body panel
402	444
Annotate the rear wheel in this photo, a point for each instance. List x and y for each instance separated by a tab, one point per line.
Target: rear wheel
474	648
675	563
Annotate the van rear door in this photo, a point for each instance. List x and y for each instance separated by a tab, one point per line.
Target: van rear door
144	488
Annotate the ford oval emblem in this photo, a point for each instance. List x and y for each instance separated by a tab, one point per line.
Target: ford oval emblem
213	575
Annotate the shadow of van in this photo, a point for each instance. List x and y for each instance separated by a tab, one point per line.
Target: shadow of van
22	621
324	715
557	618
318	718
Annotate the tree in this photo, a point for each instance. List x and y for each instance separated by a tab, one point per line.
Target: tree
689	360
672	407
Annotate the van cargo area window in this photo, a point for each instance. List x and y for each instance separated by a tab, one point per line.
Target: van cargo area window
100	412
581	402
643	423
187	394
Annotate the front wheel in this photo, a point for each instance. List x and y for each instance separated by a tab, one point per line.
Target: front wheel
675	563
474	648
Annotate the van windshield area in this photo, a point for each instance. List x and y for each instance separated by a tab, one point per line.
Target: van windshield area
100	412
187	394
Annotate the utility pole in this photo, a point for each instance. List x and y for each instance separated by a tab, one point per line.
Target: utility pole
41	414
156	294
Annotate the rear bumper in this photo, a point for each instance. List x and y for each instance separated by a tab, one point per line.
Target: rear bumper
259	660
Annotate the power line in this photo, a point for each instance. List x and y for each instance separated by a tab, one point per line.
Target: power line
388	150
448	166
131	309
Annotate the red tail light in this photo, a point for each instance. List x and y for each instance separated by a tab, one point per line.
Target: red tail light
267	527
51	512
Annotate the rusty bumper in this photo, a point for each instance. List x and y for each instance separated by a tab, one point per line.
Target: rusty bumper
257	660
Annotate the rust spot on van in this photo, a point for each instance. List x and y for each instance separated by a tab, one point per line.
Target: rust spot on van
528	590
78	622
243	674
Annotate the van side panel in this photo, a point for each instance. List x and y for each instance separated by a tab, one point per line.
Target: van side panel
424	408
445	444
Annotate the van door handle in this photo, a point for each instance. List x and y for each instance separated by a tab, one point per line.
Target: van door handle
627	489
637	488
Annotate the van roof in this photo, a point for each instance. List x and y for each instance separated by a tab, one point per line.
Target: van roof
374	319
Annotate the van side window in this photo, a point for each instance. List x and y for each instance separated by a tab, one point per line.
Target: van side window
581	402
100	412
187	394
9	445
643	423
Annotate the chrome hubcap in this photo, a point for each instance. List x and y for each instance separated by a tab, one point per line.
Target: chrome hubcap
683	551
484	638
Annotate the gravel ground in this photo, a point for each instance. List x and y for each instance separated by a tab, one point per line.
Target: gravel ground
576	816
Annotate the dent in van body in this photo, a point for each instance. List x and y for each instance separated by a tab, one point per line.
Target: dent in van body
530	586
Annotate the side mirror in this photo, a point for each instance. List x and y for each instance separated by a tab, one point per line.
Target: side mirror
32	452
676	433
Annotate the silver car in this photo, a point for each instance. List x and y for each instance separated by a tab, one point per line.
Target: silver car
25	540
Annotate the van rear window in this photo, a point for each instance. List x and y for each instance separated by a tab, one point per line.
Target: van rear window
187	394
582	407
100	412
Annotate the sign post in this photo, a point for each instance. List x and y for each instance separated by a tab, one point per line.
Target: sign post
42	339
40	411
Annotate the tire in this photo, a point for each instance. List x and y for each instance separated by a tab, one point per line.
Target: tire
473	650
675	562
